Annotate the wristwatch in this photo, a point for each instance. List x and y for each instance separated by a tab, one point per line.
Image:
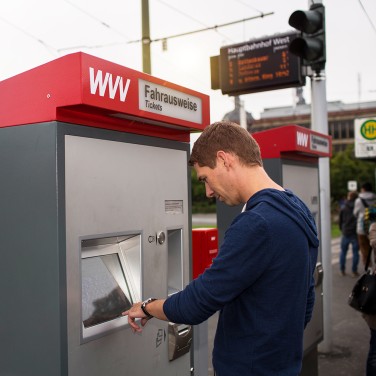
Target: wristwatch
143	307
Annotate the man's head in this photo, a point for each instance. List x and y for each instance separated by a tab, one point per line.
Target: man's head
222	157
228	137
366	187
352	195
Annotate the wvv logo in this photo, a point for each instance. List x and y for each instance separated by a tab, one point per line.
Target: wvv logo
97	81
302	139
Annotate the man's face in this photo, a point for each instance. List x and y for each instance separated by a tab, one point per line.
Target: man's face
217	183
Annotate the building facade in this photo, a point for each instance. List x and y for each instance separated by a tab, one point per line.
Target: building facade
341	117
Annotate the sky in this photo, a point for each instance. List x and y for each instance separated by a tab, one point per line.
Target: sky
37	31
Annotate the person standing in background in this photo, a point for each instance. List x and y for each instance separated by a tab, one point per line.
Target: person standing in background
371	319
347	225
366	198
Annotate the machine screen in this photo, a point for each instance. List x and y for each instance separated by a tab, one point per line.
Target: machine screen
105	293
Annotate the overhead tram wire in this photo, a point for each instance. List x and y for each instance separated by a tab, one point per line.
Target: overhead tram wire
105	24
49	48
215	27
249	6
367	15
190	17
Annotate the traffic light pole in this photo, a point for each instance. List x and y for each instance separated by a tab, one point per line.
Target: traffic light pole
319	123
146	58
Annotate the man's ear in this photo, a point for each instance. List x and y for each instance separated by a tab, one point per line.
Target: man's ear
223	158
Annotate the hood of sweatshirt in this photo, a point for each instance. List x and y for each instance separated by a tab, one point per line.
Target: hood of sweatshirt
292	206
350	204
368	196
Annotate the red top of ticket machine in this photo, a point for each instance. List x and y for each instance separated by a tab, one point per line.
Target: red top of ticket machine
80	88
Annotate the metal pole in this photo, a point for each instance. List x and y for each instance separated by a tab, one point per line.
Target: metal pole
319	123
242	114
146	59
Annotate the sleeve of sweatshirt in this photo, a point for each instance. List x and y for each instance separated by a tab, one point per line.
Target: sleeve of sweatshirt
241	260
340	222
357	207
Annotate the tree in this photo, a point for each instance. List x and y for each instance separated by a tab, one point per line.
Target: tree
200	203
344	167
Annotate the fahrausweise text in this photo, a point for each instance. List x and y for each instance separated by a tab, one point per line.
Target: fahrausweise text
153	95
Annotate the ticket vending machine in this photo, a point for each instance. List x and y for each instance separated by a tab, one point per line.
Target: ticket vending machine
95	215
290	156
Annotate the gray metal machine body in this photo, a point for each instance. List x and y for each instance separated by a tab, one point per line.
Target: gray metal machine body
85	211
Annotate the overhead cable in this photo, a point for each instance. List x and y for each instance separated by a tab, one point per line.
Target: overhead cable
367	15
106	25
191	18
215	27
49	48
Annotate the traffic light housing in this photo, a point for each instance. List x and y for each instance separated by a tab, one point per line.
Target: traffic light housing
310	45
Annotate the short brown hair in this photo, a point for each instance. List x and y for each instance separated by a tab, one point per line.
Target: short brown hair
229	137
352	195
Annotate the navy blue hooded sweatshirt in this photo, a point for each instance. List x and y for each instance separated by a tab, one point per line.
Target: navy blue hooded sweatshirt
262	283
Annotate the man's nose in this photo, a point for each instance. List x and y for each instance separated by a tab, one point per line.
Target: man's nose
209	191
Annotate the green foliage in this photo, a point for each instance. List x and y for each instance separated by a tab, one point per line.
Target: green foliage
336	232
200	203
344	167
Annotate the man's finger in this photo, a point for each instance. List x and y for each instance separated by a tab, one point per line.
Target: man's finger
134	326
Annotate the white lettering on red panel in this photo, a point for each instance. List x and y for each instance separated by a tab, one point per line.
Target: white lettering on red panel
100	83
302	139
312	142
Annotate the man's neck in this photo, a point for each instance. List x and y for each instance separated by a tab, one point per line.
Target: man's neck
254	180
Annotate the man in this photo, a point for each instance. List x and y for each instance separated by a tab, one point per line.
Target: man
371	319
347	225
366	198
262	279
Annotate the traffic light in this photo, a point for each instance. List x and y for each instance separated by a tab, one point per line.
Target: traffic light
310	45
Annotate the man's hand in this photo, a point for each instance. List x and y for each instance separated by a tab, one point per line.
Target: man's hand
155	308
135	312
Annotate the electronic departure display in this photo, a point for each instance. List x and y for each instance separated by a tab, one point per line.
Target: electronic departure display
260	65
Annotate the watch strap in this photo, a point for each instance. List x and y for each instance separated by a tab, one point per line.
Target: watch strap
143	307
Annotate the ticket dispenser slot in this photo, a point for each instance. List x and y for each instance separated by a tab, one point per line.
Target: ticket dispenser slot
179	335
110	282
179	340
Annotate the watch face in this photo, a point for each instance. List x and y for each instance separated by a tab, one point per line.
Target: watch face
143	306
147	301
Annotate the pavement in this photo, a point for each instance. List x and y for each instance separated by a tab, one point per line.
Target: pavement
350	334
348	342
